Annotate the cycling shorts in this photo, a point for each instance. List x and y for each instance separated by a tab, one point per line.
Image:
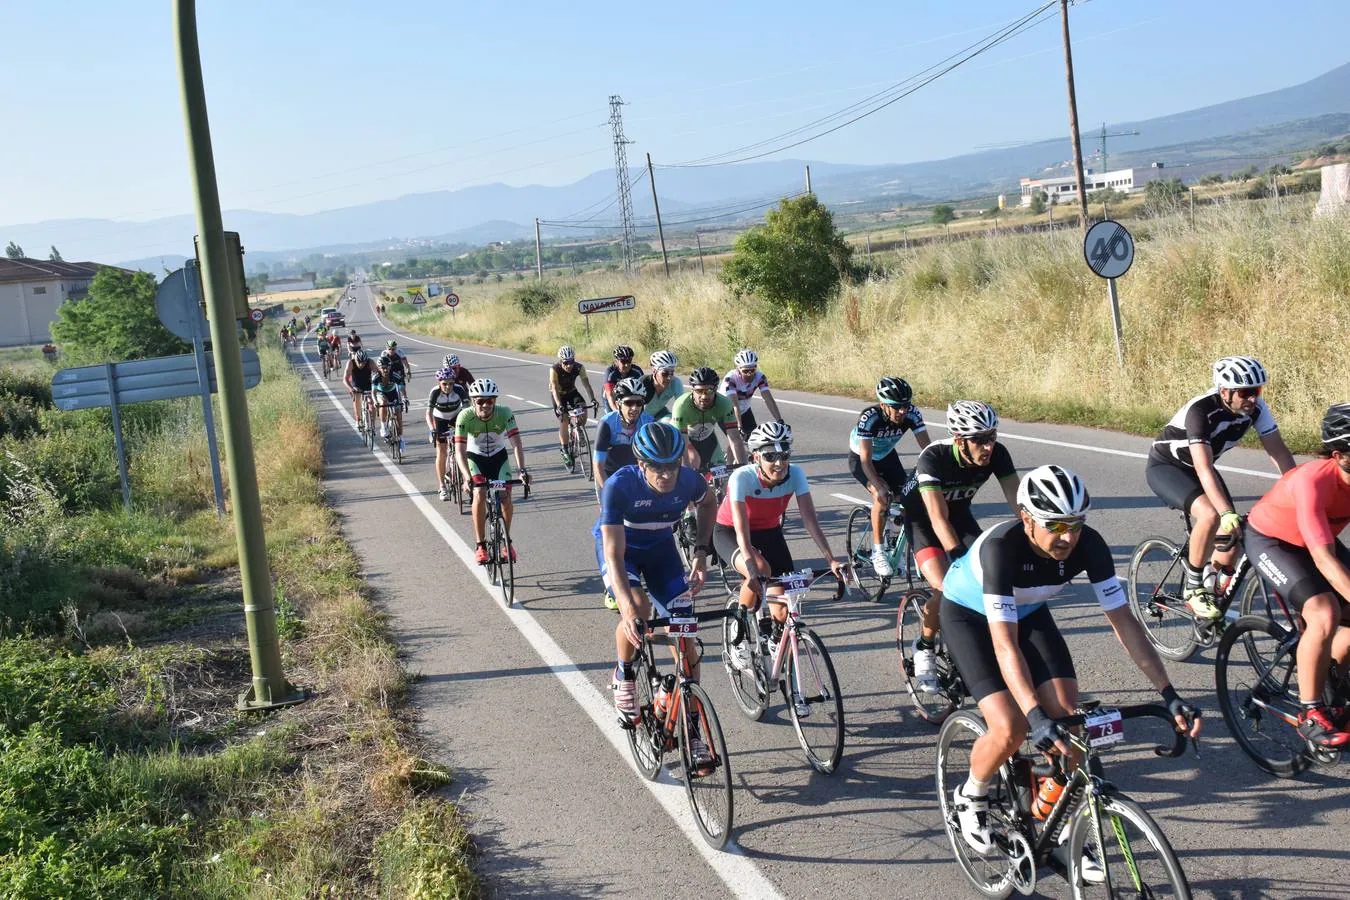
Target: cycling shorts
659	566
444	428
926	543
770	542
1288	569
709	452
492	467
391	399
570	400
1176	486
889	467
971	647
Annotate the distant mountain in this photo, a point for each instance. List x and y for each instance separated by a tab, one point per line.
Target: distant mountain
484	213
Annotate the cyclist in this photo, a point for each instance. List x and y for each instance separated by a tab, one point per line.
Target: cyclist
662	387
699	414
462	375
358	377
401	363
937	500
614	437
321	335
1005	642
353	341
1181	468
398	372
634	537
622	368
749	529
872	457
562	387
1291	538
388	391
334	346
741	383
447	399
482	432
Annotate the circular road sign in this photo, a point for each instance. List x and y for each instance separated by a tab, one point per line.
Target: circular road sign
452	300
1108	249
256	315
295	309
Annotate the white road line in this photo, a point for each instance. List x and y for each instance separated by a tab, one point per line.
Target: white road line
854	500
741	876
527	400
1110	451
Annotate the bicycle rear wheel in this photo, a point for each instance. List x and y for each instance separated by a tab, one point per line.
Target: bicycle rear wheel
821	731
991	873
506	569
937	705
709	791
584	452
1156	577
1255	676
859	546
748	685
1131	849
644	738
463	496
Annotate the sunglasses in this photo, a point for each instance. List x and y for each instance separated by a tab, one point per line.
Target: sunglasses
633	404
666	469
1248	393
748	372
773	456
1061	526
484	401
983	440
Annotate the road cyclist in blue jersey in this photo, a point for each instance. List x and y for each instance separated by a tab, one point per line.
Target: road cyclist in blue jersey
1014	661
873	460
617	429
635	543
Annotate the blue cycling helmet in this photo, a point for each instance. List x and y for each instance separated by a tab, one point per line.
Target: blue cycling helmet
659	443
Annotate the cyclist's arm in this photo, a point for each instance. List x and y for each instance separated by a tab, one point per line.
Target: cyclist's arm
770	403
740	518
1009	486
1202	455
807	506
1278	451
601	452
936	504
586	383
737	444
553	391
923	439
431	403
1131	636
347	377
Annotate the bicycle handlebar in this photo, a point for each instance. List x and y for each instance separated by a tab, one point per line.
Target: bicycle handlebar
1140	711
710	615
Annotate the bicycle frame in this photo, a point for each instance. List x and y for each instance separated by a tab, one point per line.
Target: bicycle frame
796	585
683	629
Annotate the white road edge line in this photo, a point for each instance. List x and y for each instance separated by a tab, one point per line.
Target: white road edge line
741	876
852	412
854	500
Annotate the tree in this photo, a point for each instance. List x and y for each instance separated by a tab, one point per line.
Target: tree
1105	195
1164	194
795	260
14	251
55	255
943	213
117	322
1038	203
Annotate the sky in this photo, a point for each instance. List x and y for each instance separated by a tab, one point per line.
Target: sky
318	105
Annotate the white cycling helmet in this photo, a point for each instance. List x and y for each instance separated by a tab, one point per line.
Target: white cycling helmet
1239	372
629	387
483	387
566	353
967	417
746	357
664	359
770	436
1050	493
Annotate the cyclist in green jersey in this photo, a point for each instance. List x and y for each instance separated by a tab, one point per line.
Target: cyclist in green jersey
700	414
482	433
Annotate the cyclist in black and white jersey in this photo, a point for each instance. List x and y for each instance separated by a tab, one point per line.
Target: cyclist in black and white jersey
444	404
1181	468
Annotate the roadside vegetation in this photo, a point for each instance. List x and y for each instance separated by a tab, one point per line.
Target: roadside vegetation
125	770
1017	319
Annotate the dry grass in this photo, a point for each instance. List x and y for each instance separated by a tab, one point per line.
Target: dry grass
320	296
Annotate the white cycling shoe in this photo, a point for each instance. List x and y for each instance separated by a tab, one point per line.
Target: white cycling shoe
881	563
972	815
925	668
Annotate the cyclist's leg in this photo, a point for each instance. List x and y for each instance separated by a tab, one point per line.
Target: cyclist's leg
623	648
772	545
1181	490
563	422
1049	662
504	471
664	570
880	504
932	562
479	507
442	451
728	548
967	530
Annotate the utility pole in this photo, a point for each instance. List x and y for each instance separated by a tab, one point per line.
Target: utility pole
270	688
1073	119
538	253
621	172
698	240
651	176
808	179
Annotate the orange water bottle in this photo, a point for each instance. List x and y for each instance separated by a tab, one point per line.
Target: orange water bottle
1048	796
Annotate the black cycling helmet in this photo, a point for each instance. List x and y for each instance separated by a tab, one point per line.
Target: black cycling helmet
1336	427
703	376
623	353
658	442
894	391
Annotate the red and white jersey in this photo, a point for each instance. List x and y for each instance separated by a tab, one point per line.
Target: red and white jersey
742	389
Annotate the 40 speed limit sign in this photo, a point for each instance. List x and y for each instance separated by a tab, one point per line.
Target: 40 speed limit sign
1108	249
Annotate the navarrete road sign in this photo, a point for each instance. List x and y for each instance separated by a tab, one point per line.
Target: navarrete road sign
606	304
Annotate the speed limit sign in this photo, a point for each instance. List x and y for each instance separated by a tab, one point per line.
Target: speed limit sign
1108	249
256	315
452	300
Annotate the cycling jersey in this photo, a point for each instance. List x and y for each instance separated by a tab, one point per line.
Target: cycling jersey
613	376
1205	420
614	441
1003	578
660	402
764	505
362	376
563	381
881	431
447	404
489	437
647	516
742	389
463	376
384	386
1307	507
941	469
398	363
701	424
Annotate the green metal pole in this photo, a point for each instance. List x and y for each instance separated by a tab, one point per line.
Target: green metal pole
270	688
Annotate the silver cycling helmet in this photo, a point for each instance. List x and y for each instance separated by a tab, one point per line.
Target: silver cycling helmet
746	358
566	353
770	436
967	417
629	387
664	359
483	387
1052	493
450	360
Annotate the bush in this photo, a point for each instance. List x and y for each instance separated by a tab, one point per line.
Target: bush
72	696
795	260
943	213
536	299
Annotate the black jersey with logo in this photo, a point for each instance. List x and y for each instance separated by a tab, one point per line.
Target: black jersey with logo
940	469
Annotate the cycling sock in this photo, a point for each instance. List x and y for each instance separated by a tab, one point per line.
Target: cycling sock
923	643
1310	705
1193	574
974	787
624	671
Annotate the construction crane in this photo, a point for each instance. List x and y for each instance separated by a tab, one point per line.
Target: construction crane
1103	136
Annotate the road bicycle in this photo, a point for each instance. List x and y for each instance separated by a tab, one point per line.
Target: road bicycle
393	439
1129	852
686	532
453	482
1256	678
366	426
501	569
324	359
579	441
1157	583
760	654
673	712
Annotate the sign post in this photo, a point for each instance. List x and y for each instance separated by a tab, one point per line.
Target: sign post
117	435
1109	251
604	304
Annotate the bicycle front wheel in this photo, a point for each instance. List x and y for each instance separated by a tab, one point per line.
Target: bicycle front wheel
1155	577
1128	850
820	727
859	548
708	786
933	706
506	569
1256	678
747	682
584	452
645	738
990	873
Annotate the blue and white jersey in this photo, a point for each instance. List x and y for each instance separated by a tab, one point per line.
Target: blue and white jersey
881	431
614	441
648	517
1004	579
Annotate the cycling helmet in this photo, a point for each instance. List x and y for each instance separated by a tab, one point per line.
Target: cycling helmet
770	436
623	353
1053	492
703	377
1336	427
387	358
351	333
450	360
658	442
664	359
445	373
746	358
967	417
894	391
360	358
1239	372
391	344
566	353
629	387
483	387
384	362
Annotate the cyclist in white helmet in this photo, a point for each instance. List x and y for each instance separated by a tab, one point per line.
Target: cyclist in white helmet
1181	468
741	383
563	378
483	433
661	386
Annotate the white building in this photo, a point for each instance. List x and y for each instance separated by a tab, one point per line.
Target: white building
1065	190
32	290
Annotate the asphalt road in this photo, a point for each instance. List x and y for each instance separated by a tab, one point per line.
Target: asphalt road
517	701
